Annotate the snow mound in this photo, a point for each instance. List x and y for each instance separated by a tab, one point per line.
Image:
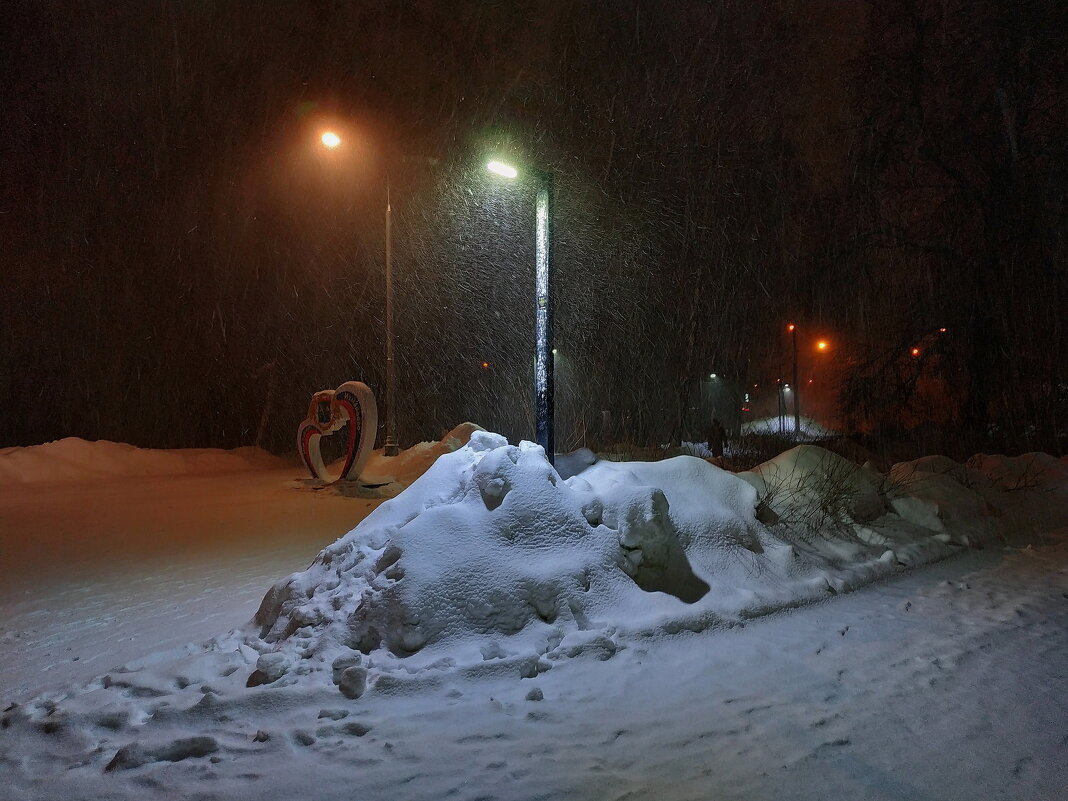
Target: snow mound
492	557
412	462
487	554
78	460
1009	494
1020	472
815	487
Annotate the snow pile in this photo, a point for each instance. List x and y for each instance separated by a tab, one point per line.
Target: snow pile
490	554
1017	494
76	460
492	557
861	522
394	473
1022	472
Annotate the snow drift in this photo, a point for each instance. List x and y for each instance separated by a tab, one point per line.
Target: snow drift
76	460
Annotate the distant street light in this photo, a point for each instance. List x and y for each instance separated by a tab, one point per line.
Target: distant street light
781	399
390	447
543	310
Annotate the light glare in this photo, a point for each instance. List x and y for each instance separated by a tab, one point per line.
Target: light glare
331	139
502	169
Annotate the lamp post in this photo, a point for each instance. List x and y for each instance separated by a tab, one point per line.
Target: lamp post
390	448
544	386
797	412
780	400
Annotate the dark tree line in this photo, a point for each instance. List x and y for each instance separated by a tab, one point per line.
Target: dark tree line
965	174
184	268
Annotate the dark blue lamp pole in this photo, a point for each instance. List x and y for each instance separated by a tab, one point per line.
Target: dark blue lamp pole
544	384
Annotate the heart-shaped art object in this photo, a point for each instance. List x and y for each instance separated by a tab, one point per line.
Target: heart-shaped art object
330	409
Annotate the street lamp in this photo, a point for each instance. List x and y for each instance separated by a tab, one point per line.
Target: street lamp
797	410
332	141
502	169
544	387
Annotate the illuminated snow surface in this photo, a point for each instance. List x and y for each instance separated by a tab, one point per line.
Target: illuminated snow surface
501	629
810	428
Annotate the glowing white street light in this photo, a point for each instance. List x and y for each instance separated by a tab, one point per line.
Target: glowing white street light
544	384
502	169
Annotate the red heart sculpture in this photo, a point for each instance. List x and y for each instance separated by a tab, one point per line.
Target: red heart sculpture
352	402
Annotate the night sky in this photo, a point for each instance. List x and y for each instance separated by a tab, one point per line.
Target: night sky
184	264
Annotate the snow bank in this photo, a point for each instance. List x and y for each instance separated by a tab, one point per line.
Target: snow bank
492	557
409	464
77	460
489	554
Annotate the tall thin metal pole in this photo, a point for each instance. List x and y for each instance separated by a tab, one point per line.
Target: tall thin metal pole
390	448
544	387
797	388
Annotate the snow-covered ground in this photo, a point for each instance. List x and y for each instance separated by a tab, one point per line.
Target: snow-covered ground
810	428
503	630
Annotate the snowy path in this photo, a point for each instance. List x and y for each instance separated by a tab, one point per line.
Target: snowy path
97	574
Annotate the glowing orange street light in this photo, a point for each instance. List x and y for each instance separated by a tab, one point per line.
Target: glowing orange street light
822	345
915	351
390	447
